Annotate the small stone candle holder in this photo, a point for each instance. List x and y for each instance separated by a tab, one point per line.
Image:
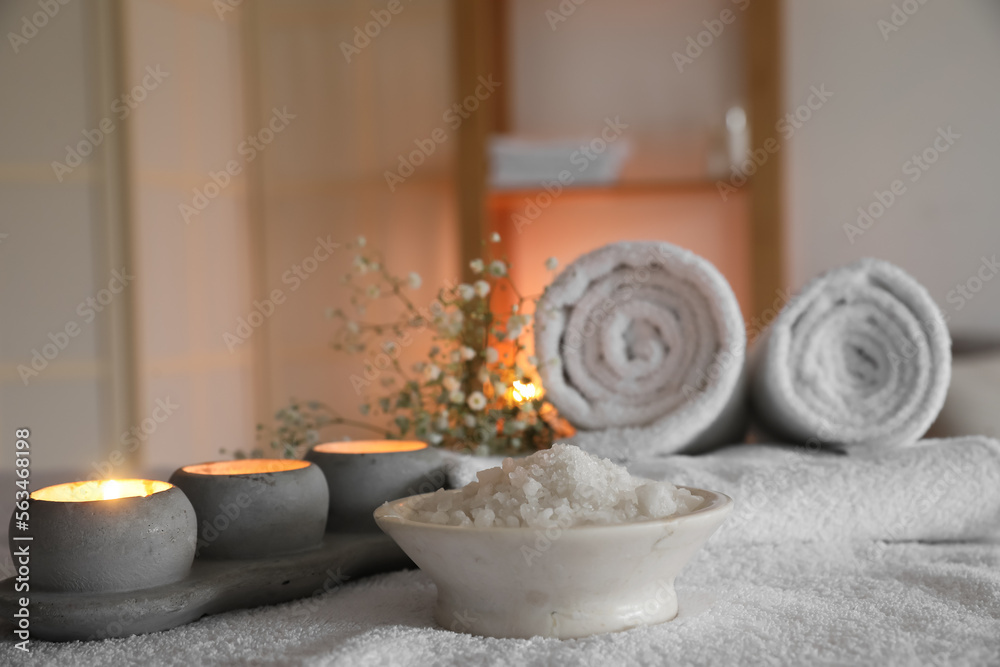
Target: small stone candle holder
108	536
255	508
363	474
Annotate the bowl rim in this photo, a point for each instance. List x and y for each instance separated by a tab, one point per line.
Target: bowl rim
715	503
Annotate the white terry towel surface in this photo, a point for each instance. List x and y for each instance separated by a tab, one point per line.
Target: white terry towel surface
644	340
936	491
785	602
862	357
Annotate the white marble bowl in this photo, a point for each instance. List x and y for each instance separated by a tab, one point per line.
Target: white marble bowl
564	583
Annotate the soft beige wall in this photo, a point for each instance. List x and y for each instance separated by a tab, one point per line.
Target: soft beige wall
325	175
55	242
194	273
892	91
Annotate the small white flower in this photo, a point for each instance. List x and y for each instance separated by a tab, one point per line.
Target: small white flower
362	241
360	264
551	263
469	420
414	280
451	383
432	372
476	265
491	354
353	326
441	423
495	237
466	291
482	288
373	291
468	353
476	400
518	425
484	374
456	396
499	388
498	268
435	438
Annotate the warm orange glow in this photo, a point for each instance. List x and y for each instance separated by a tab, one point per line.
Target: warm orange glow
245	466
111	489
524	391
370	446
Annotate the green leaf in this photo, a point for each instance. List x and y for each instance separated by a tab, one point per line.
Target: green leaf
403	423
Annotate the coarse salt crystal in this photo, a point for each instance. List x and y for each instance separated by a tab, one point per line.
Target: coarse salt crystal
562	486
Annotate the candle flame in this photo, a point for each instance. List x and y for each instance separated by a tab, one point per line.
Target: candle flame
111	490
370	446
524	391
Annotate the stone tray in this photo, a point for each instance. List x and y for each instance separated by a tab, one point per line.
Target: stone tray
213	586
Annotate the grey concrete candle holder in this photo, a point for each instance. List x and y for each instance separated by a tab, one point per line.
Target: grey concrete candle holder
255	508
83	543
363	474
211	587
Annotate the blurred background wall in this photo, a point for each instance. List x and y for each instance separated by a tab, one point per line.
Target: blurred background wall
259	135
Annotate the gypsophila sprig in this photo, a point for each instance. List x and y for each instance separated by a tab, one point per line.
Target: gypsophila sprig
462	395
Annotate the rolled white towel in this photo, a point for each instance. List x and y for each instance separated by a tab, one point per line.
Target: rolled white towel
640	346
862	357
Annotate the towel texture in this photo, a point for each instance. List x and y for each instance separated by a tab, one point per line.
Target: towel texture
643	334
780	602
862	357
936	491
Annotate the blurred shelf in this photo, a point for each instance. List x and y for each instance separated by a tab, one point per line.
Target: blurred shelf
502	197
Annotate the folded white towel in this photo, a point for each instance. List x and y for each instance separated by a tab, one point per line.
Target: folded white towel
935	491
643	334
862	357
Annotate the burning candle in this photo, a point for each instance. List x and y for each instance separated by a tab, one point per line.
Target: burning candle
363	474
254	508
108	535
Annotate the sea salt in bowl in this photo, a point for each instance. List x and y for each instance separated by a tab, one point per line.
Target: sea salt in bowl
584	558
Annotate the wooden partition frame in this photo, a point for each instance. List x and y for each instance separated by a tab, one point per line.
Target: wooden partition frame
765	106
480	42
